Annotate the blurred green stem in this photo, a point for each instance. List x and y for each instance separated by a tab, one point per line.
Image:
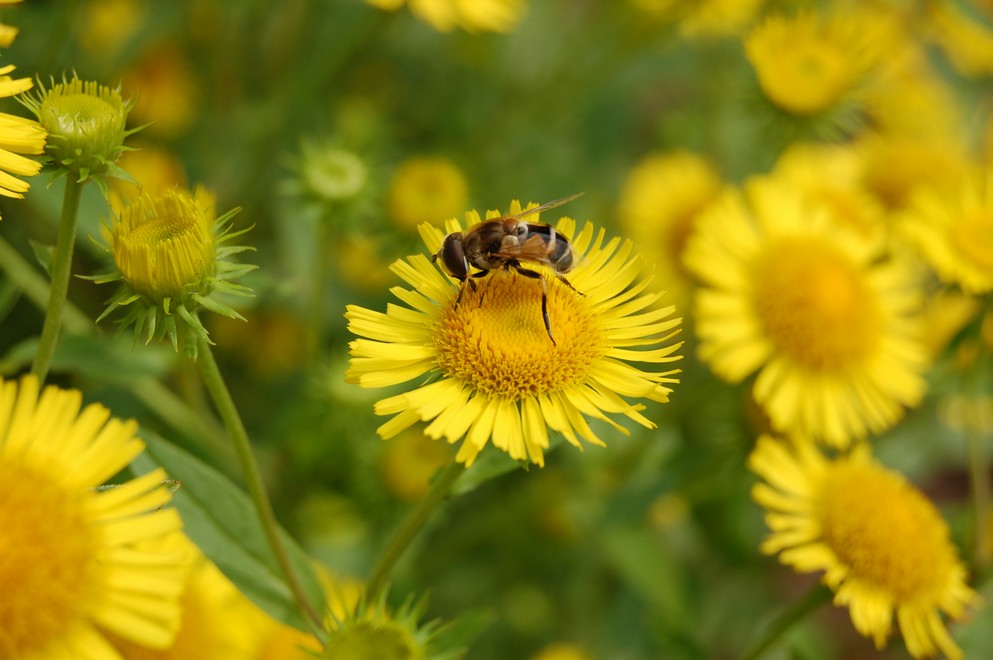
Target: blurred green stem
411	525
218	390
61	268
815	598
319	288
979	476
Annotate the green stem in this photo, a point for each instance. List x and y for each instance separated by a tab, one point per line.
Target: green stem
979	476
815	598
411	525
61	269
215	385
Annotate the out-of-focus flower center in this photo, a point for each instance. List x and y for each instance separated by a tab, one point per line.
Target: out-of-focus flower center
47	559
884	530
814	304
973	238
496	340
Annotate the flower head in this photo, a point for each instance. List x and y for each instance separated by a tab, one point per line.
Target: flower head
77	558
808	65
662	198
953	229
881	543
329	174
496	373
426	189
86	126
370	631
469	15
832	328
170	256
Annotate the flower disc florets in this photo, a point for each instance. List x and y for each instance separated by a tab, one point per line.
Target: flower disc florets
86	126
170	260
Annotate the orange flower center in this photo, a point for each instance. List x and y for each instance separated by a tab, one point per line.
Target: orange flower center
885	531
496	340
814	304
48	559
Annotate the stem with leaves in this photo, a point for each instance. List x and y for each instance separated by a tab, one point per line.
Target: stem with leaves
218	390
61	270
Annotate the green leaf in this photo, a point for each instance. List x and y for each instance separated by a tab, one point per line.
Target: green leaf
43	255
221	519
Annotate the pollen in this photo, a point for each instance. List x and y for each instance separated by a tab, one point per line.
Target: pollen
885	530
41	520
815	304
495	338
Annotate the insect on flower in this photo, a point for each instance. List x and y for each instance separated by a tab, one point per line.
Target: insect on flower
502	244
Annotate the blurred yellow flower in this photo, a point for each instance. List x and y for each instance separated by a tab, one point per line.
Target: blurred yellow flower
809	64
497	373
76	558
703	18
881	543
7	32
105	26
562	651
17	136
832	175
166	90
953	229
833	331
659	204
968	42
213	616
426	189
895	166
409	462
156	171
469	15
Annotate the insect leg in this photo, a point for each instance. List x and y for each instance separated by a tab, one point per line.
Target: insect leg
544	297
568	284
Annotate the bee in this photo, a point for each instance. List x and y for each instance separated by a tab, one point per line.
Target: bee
502	244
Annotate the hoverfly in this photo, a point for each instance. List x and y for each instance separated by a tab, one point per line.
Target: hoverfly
502	244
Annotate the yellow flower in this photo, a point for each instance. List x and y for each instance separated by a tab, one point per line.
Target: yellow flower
703	18
832	329
968	43
562	651
895	166
171	259
808	64
496	372
409	463
106	26
426	189
469	15
213	616
833	175
658	208
881	543
153	171
17	136
953	229
167	90
77	558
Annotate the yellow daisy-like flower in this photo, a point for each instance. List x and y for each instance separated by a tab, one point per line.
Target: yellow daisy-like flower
968	42
658	208
469	15
703	18
426	189
18	136
881	543
808	64
213	616
77	558
832	329
953	229
896	166
497	373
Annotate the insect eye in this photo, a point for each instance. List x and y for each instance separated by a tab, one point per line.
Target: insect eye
522	231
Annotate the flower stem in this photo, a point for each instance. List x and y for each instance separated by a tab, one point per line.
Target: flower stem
814	599
61	269
979	476
411	525
215	385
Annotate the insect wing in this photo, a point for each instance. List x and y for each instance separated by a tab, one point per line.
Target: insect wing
548	205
